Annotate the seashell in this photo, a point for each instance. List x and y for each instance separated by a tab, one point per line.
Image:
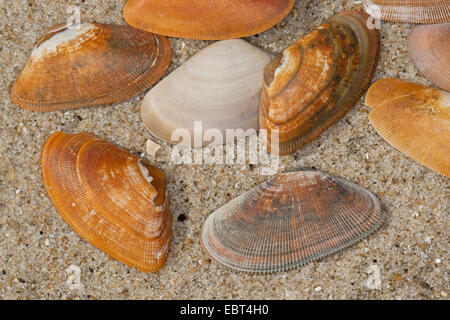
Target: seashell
111	198
206	19
413	119
220	86
314	83
293	219
90	64
429	48
409	11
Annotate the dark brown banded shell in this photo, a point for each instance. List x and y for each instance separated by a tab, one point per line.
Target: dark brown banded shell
295	218
316	81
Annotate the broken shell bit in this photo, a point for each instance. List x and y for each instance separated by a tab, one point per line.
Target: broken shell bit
90	64
114	200
429	48
315	82
297	217
219	86
414	119
206	19
409	11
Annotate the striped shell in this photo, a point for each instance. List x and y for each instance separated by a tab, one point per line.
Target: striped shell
414	119
316	81
206	19
429	48
219	86
111	198
295	218
90	64
409	11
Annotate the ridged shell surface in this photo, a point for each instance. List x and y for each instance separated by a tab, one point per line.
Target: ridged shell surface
219	86
409	11
90	64
314	83
414	119
206	19
111	198
295	218
429	48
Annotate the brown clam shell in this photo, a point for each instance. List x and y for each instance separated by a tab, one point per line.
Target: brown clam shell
316	81
409	11
206	19
297	217
90	64
429	48
111	198
414	119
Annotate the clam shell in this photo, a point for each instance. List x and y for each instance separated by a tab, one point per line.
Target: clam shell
220	86
314	83
429	48
291	220
414	119
206	19
90	64
111	198
409	11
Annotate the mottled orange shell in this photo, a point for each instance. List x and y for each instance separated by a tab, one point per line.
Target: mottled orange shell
206	19
429	48
414	119
111	198
90	64
295	218
409	11
314	83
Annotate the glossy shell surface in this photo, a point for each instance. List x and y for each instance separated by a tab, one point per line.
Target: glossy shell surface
429	48
206	19
288	221
90	64
314	83
414	119
220	87
114	200
409	11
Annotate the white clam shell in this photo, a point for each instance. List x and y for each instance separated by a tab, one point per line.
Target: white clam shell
219	86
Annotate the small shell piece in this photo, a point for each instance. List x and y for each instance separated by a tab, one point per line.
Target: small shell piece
220	87
291	220
414	119
90	64
206	19
316	81
111	198
409	11
429	48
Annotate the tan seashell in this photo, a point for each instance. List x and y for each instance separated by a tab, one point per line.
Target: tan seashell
409	11
414	119
111	198
206	19
220	86
316	81
429	48
90	64
293	219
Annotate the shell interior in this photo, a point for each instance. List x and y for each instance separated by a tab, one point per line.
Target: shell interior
295	218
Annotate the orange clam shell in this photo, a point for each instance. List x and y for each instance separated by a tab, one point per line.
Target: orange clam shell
414	119
409	11
295	218
90	64
206	19
114	200
315	82
429	48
